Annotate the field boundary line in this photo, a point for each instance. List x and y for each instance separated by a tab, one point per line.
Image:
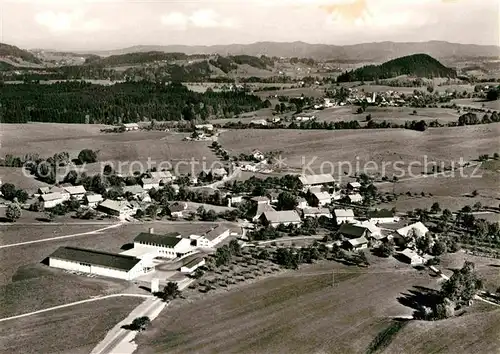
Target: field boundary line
74	304
61	237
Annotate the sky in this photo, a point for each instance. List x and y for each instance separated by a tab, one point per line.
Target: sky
113	24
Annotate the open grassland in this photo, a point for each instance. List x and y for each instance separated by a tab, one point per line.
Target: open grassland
349	147
76	329
110	240
451	191
20	179
113	147
17	233
476	103
313	91
39	287
471	333
297	312
396	115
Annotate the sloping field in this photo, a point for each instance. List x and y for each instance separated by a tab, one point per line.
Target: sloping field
298	312
130	147
76	329
474	333
312	148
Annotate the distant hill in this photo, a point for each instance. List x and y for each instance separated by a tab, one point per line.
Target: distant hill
136	58
376	52
15	54
421	65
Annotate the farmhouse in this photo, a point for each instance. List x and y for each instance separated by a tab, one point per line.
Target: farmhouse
193	265
259	122
353	186
258	155
99	263
162	177
286	217
375	231
356	243
309	181
322	198
233	199
92	200
150	183
135	190
207	127
261	205
121	209
217	235
350	231
177	209
382	216
130	126
411	257
301	203
355	198
316	213
171	245
343	215
77	192
50	200
199	241
402	235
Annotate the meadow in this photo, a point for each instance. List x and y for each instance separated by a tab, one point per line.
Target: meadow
295	312
312	148
71	330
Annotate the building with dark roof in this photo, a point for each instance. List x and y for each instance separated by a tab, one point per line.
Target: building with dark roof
382	216
350	231
169	245
96	262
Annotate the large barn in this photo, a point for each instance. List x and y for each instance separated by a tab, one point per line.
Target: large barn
96	262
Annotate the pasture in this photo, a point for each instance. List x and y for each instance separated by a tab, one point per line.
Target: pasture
130	150
297	312
396	115
76	329
468	102
349	151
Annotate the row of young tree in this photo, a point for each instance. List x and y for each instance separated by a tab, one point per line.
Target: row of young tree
81	102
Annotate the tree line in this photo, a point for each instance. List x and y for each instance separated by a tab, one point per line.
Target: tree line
81	102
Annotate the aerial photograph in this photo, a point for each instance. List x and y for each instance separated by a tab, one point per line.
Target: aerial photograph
249	176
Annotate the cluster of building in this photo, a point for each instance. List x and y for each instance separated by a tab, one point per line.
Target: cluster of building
149	249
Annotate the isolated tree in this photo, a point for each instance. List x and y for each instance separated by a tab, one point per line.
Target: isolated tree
447	215
140	323
286	201
87	156
492	94
170	291
71	177
8	191
477	206
234	247
438	248
435	208
387	249
475	193
13	212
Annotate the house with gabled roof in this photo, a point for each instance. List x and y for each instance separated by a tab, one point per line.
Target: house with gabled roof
170	245
77	192
349	231
121	209
92	200
343	215
309	181
285	217
52	199
382	216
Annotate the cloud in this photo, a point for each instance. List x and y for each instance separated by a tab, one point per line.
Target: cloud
67	21
204	18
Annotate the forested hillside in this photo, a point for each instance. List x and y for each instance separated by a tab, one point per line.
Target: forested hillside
14	52
78	102
135	58
421	65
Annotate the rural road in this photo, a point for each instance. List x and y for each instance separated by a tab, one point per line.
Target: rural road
61	237
73	304
119	337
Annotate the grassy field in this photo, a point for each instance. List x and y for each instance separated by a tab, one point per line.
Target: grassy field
297	312
22	233
74	330
472	333
452	192
47	139
38	287
397	115
472	102
312	148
